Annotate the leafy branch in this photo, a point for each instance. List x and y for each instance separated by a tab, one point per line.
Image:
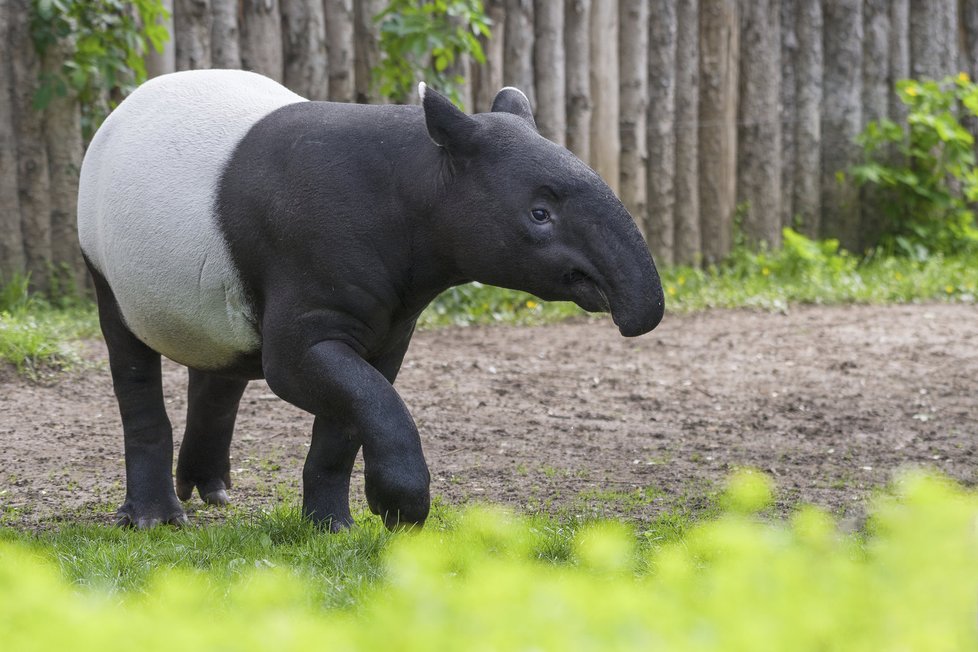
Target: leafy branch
104	41
928	168
423	41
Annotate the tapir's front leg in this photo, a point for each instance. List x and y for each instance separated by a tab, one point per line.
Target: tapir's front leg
350	397
326	474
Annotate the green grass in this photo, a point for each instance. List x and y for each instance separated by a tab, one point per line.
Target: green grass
482	579
114	560
36	334
817	273
621	500
42	338
340	566
476	303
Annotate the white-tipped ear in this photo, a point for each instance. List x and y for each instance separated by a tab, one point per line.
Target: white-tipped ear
513	89
513	100
447	125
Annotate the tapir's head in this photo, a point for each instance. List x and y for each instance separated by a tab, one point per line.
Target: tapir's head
525	213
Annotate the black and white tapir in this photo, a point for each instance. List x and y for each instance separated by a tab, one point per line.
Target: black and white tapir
244	232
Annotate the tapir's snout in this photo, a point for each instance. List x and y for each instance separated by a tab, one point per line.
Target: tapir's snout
632	285
642	316
637	304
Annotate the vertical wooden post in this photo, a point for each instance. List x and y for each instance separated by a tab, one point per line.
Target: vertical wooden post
340	48
63	141
875	101
933	38
969	55
548	64
192	22
788	101
304	40
841	119
605	145
969	30
488	77
225	37
633	56
367	49
807	185
688	239
660	224
12	258
719	53
32	159
759	130
518	55
261	38
577	45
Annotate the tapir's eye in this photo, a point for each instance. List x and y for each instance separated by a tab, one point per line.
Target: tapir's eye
540	215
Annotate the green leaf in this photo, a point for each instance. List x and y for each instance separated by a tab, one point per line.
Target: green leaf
425	40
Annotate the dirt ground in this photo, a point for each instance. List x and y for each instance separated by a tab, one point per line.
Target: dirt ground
571	417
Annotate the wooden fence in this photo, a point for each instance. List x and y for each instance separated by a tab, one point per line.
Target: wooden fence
694	111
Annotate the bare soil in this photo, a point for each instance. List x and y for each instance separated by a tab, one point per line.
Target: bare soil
571	417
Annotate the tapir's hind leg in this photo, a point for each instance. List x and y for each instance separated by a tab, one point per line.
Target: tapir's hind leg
138	384
204	460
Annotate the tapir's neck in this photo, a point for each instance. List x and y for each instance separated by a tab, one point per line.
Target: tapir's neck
416	176
432	268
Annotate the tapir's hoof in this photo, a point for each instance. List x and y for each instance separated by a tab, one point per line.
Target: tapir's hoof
337	524
406	515
217	497
396	524
143	519
336	519
212	492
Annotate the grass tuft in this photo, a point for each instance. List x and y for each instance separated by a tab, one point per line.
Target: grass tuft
37	334
809	272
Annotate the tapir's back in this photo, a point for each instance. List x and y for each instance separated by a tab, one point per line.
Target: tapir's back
146	217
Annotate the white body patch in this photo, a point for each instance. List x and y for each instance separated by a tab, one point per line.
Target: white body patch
146	210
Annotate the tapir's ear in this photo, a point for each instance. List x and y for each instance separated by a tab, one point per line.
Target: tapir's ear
448	126
513	100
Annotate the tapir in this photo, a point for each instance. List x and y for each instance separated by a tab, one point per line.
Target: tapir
245	232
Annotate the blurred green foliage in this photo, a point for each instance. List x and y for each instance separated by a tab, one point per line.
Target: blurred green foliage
105	42
735	582
927	167
421	41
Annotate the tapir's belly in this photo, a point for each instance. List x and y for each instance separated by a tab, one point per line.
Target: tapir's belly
146	211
